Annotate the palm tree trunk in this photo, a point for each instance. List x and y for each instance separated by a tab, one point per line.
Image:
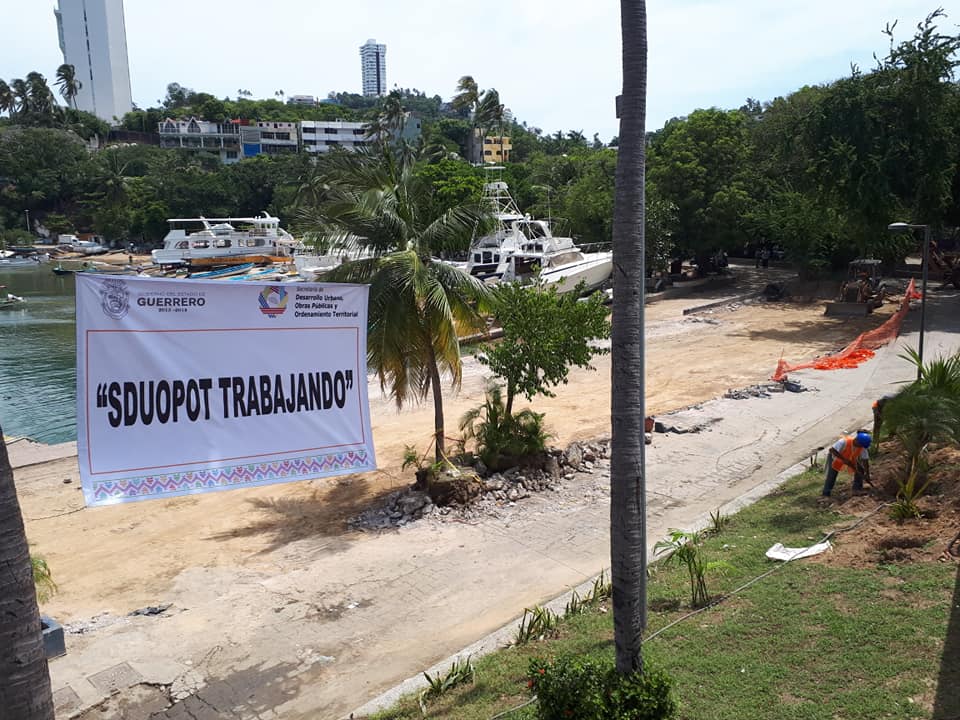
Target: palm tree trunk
628	551
24	678
437	406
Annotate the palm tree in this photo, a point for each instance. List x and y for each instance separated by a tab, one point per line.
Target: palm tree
24	677
69	84
484	108
40	98
468	94
628	551
419	307
6	98
391	119
21	96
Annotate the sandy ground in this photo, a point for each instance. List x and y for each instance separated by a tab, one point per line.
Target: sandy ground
191	550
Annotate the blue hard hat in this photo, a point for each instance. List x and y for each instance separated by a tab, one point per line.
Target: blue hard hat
863	439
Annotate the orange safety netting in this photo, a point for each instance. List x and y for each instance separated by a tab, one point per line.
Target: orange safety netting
861	348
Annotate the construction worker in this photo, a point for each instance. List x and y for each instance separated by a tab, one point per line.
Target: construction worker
849	454
878	406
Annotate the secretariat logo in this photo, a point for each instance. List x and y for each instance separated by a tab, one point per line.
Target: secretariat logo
114	298
273	301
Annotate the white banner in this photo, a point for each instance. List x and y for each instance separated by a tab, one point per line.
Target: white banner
189	386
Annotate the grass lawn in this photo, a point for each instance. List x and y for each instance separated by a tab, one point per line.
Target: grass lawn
817	640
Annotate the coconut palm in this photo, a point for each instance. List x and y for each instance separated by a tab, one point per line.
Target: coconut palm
391	119
24	677
6	98
628	546
468	94
21	96
40	98
419	307
484	108
69	84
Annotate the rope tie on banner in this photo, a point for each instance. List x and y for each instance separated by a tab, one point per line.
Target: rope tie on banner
861	349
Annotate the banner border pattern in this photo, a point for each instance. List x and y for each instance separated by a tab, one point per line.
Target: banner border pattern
157	485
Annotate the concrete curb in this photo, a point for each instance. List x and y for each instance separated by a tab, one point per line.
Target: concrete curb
721	303
503	637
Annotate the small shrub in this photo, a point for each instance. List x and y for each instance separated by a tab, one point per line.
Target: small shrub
718	522
591	689
536	624
685	548
602	589
42	579
576	605
501	436
460	673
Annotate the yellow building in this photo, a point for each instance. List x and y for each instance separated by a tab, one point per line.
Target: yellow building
496	149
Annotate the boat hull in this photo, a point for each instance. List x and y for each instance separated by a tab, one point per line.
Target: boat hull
594	271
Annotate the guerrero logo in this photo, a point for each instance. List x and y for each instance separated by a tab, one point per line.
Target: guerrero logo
273	301
115	298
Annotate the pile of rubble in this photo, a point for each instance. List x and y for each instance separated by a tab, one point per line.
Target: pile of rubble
752	391
494	491
766	390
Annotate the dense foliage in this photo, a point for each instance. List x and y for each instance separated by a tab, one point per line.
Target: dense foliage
591	689
819	172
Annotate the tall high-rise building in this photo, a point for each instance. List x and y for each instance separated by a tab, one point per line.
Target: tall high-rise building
373	60
93	38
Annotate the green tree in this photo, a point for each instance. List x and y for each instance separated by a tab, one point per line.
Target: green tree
628	547
25	690
419	307
544	334
69	84
699	165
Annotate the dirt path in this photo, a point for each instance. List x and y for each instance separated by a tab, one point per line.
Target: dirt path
285	547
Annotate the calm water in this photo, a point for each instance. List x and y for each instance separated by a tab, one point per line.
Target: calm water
38	356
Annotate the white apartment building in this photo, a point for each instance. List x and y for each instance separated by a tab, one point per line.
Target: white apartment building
93	38
234	140
373	62
220	139
278	137
308	100
321	136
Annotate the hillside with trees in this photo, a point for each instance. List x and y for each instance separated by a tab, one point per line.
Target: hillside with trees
819	172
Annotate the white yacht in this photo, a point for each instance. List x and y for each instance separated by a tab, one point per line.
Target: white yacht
191	238
520	244
561	264
487	254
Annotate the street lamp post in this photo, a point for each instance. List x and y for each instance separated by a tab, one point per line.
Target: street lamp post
904	227
27	213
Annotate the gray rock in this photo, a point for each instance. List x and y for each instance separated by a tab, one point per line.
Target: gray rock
493	483
412	502
480	468
552	467
573	456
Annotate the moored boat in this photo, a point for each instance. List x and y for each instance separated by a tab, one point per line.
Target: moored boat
223	272
192	240
9	301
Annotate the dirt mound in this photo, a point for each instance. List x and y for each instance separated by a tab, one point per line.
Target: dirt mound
879	538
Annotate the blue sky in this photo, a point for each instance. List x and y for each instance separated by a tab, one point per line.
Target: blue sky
556	63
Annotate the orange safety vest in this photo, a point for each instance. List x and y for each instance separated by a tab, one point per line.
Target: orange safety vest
850	452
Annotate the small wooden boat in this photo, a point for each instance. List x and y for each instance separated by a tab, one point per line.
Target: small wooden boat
223	272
